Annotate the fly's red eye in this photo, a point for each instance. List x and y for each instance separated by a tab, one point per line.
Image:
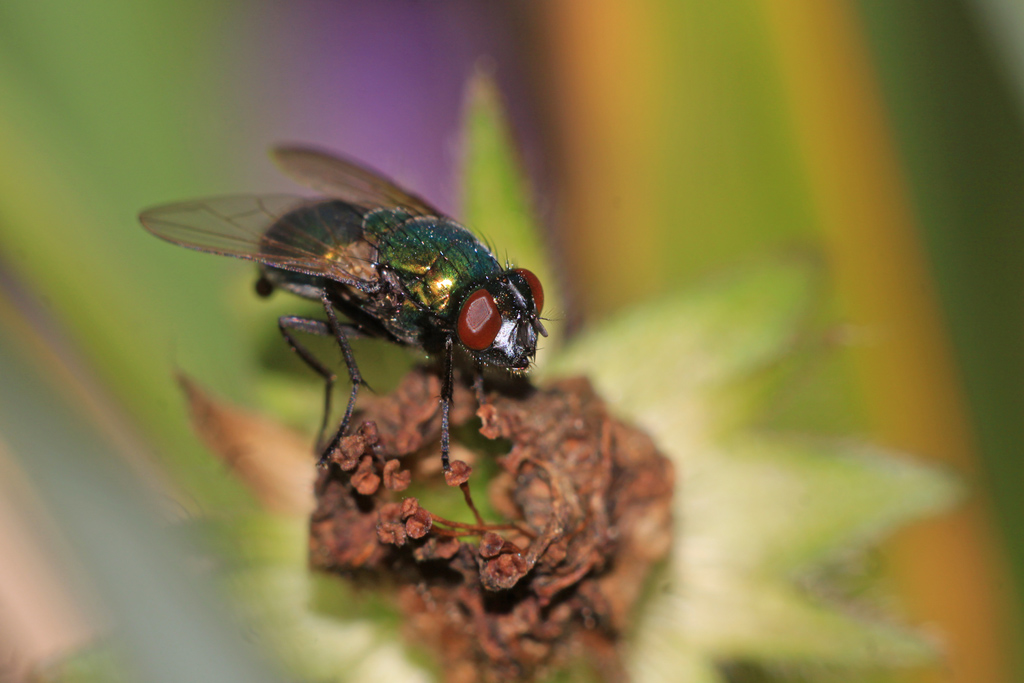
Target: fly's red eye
479	320
538	291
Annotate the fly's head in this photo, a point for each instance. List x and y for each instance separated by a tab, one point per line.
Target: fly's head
500	321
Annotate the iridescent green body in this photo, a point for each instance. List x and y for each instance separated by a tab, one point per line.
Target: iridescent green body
427	265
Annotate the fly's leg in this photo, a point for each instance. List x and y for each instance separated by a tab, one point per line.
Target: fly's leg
447	388
339	331
446	400
288	323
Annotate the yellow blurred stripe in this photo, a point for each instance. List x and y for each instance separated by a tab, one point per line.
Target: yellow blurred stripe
608	81
949	568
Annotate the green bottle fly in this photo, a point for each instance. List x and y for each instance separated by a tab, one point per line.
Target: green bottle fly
392	265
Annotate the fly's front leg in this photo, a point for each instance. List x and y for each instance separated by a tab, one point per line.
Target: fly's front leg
446	400
339	331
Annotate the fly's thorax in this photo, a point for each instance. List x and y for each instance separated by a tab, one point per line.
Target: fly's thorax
433	257
380	223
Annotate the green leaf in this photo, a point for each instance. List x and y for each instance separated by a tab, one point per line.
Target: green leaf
496	195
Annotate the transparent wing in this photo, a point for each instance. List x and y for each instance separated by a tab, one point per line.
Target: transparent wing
294	233
346	180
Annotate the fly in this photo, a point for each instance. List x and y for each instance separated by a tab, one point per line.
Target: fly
389	263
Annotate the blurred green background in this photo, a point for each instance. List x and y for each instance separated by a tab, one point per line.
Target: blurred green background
664	140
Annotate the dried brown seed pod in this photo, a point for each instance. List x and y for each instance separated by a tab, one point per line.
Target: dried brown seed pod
366	480
587	500
458	474
396	479
491	545
418	524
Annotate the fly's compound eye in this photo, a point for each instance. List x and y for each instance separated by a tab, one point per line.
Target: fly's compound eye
535	287
479	320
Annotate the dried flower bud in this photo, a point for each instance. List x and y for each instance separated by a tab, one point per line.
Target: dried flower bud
348	452
390	512
368	430
590	501
491	545
503	572
409	507
396	479
458	474
392	533
418	525
365	480
488	415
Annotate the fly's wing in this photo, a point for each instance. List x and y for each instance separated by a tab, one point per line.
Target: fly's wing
346	180
304	235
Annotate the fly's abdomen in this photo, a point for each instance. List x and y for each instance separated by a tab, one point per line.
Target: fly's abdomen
330	230
320	228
